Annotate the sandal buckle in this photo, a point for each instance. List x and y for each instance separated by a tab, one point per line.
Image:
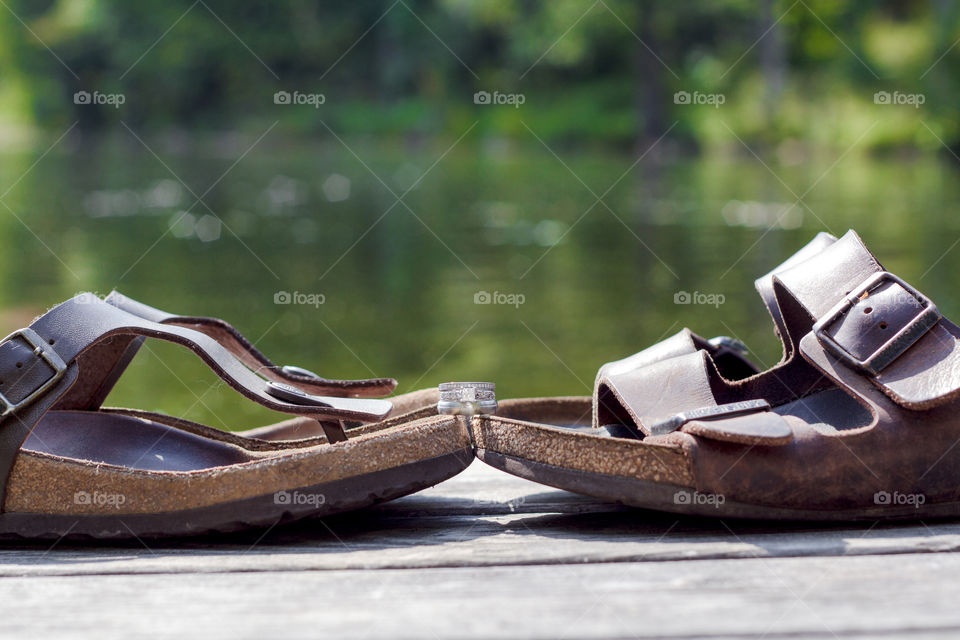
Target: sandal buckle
674	422
45	353
887	353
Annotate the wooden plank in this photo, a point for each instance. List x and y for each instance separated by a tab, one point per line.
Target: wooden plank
846	597
480	518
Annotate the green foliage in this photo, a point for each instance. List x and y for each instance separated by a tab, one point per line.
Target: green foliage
603	72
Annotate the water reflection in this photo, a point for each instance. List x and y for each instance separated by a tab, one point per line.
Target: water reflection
400	280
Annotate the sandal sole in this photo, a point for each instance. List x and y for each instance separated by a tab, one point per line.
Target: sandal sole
645	494
262	511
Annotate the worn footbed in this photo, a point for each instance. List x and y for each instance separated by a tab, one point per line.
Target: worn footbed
108	474
551	441
556	432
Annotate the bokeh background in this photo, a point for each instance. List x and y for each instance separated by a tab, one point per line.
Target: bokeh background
583	163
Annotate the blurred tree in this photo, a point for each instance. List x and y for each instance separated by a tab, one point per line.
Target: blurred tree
602	72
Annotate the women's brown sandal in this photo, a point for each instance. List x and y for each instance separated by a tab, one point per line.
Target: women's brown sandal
69	467
859	420
296	431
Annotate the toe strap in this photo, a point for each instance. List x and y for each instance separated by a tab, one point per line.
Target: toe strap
624	372
676	394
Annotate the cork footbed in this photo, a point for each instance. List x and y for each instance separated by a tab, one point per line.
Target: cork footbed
172	471
552	433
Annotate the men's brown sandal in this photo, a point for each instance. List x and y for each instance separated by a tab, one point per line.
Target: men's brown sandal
70	467
859	420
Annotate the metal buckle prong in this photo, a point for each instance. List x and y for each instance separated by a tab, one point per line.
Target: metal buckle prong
674	422
45	353
893	348
733	344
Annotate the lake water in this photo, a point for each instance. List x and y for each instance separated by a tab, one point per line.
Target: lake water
392	289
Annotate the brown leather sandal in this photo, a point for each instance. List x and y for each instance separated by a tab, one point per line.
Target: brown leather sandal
857	421
70	467
296	431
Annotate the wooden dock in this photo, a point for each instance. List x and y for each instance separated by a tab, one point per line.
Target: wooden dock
489	555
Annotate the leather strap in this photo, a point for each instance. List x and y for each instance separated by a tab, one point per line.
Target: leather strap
764	284
678	394
39	365
243	350
621	386
682	343
876	325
